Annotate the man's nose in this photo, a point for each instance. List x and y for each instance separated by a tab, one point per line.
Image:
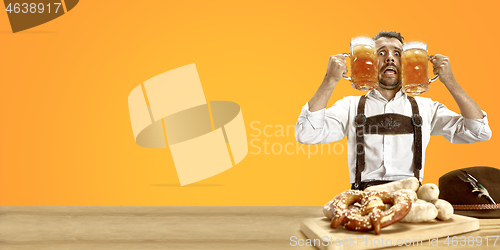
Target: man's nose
390	58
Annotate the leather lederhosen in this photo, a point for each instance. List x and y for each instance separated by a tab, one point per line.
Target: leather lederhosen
387	124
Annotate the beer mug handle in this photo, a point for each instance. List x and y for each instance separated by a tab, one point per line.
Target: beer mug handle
348	78
434	78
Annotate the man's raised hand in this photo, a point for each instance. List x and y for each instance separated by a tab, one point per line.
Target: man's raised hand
336	68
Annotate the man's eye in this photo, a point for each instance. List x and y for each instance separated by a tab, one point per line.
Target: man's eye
381	53
396	53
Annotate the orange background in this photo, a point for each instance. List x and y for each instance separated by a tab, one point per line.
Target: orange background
66	137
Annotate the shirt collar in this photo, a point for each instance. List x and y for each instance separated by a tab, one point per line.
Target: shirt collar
376	93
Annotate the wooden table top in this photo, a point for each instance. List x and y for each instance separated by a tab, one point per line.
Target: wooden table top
171	228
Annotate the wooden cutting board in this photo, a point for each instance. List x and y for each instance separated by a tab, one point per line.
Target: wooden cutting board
416	234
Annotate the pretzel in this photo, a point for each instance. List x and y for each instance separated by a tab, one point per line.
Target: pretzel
372	214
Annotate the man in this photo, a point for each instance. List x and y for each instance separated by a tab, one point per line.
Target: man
405	123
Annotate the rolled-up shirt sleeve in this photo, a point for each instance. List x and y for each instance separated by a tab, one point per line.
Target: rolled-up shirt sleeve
458	129
322	126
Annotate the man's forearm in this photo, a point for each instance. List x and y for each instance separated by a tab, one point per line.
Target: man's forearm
468	107
336	67
322	95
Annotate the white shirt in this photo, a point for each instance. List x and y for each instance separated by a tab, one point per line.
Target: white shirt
387	157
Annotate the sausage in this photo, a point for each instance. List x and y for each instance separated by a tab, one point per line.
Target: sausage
445	209
327	211
428	192
408	183
421	211
412	194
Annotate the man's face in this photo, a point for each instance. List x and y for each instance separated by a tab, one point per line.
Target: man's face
389	52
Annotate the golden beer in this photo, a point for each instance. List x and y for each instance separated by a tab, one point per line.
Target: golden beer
364	67
364	72
415	68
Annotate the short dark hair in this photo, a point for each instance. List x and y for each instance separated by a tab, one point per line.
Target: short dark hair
389	34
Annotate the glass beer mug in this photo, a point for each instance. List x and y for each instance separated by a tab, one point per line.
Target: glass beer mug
364	66
415	68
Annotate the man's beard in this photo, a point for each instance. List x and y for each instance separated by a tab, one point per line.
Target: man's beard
383	85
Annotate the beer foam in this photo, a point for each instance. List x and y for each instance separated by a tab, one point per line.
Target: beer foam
415	45
362	40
